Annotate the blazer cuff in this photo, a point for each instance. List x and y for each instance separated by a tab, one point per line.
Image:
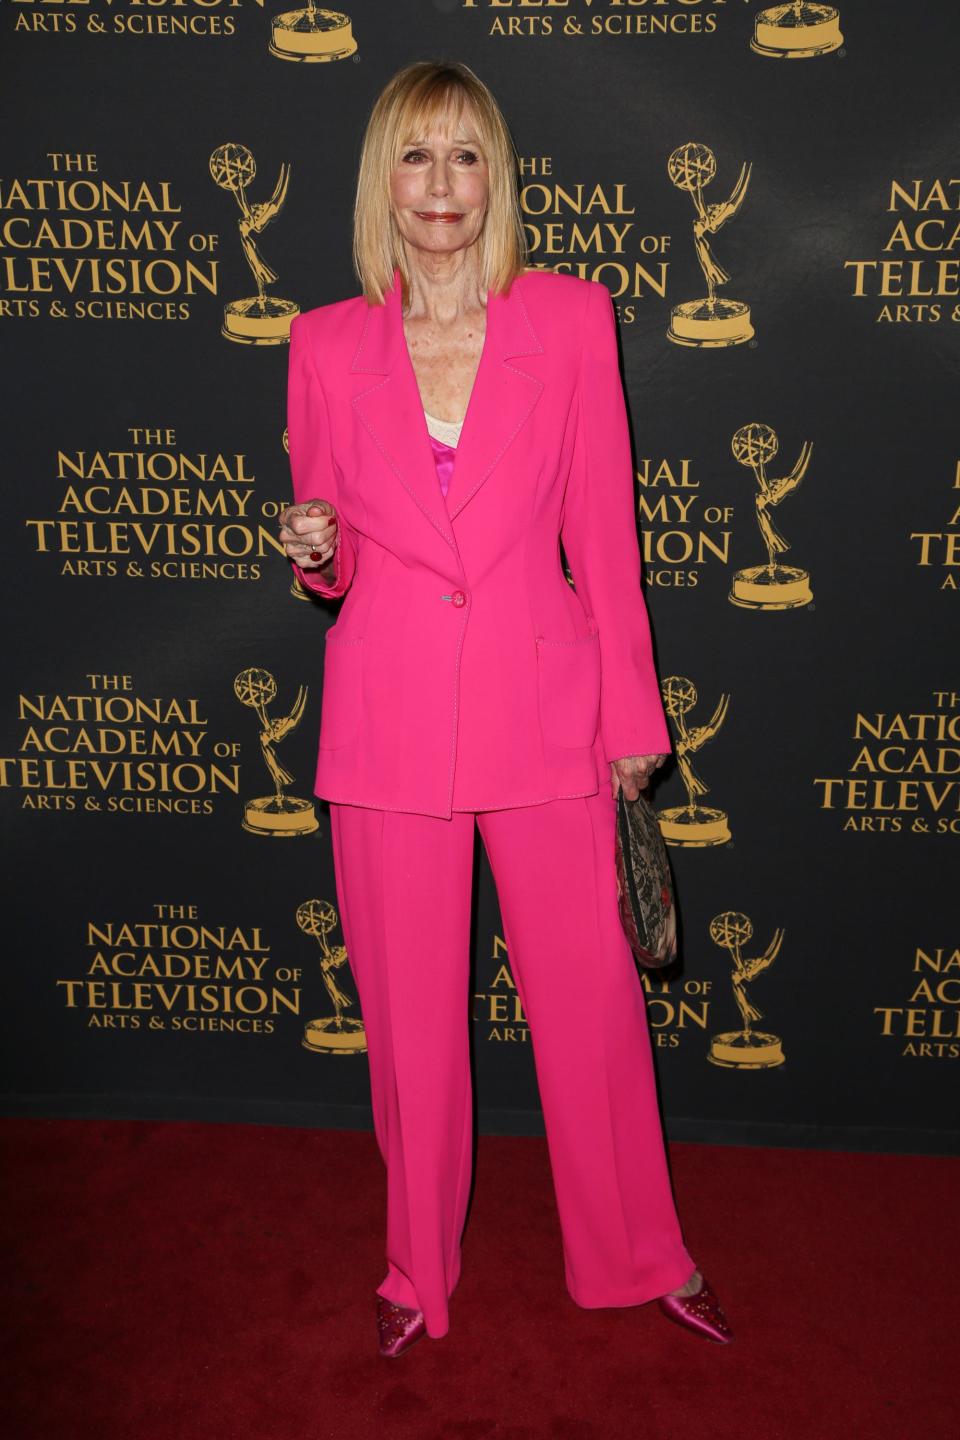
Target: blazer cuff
344	563
653	739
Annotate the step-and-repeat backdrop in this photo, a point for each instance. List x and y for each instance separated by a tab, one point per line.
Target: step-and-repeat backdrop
771	196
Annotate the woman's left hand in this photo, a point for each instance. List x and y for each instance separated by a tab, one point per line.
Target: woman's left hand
633	773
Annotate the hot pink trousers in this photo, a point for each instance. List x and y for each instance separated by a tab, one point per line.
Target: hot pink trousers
404	887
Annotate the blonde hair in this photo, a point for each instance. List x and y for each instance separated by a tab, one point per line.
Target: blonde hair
415	98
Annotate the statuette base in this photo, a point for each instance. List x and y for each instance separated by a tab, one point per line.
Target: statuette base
266	817
817	33
759	588
326	1037
706	325
753	1050
328	35
693	827
250	322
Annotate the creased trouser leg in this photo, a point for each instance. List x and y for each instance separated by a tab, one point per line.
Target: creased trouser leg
553	865
404	889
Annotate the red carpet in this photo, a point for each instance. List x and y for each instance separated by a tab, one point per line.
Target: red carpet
184	1281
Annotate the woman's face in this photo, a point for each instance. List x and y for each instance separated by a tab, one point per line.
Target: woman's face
439	189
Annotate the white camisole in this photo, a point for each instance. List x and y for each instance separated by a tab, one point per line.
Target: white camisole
448	431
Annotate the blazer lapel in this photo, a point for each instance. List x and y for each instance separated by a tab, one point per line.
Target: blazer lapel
502	400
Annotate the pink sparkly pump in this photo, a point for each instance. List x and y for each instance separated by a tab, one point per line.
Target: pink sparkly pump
700	1313
398	1327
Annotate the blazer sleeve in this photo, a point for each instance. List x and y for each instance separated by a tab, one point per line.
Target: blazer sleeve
311	460
599	534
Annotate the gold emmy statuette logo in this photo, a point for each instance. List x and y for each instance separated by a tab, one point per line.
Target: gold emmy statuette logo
257	319
707	322
275	814
332	1035
311	35
691	824
770	586
744	1049
797	31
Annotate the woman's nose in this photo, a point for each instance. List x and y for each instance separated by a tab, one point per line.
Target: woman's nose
439	182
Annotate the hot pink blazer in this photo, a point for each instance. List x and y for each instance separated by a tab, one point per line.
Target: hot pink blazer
464	672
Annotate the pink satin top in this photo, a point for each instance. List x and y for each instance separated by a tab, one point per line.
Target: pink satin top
444	455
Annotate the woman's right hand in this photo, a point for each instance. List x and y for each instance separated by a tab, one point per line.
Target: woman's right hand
309	529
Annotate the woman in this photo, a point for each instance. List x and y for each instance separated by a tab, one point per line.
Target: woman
446	429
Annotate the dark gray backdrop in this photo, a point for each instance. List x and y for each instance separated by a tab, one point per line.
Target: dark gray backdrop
864	993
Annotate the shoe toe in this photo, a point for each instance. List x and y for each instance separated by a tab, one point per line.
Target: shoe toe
700	1313
398	1327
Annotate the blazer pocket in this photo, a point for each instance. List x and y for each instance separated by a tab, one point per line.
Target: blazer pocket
568	673
340	707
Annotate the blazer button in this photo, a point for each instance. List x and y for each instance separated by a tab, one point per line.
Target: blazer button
458	598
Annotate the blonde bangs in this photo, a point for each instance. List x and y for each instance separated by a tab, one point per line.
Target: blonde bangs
437	100
425	94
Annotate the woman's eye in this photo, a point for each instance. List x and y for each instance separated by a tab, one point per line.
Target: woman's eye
416	155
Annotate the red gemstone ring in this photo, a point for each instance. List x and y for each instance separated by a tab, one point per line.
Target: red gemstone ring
315	555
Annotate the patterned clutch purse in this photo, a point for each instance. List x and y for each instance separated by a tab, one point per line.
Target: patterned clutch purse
645	884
